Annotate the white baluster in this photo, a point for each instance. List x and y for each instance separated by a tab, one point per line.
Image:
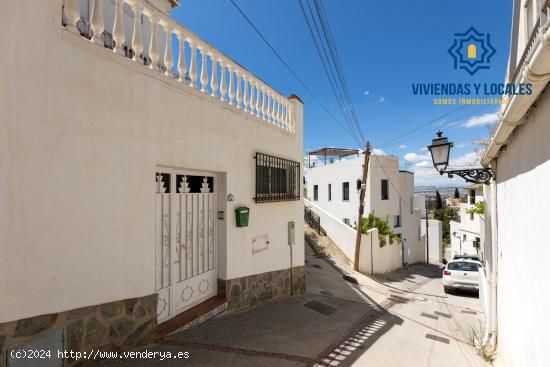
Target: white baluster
275	108
214	77
118	28
137	37
168	55
182	65
153	46
264	103
285	118
223	87
280	115
245	94
290	118
193	66
258	102
270	105
96	21
204	70
72	12
279	112
230	90
239	91
252	100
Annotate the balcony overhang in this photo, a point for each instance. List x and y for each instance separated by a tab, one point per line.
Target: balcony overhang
534	68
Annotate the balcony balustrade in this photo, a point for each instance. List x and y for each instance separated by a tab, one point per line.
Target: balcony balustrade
144	34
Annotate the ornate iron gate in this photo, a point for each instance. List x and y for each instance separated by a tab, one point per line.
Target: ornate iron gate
185	240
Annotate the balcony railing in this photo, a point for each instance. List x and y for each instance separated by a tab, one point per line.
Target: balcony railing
525	56
230	83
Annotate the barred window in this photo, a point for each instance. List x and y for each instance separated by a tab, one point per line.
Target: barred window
277	179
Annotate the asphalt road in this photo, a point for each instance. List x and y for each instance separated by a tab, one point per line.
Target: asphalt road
397	319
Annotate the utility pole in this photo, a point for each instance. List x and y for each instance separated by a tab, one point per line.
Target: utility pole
361	206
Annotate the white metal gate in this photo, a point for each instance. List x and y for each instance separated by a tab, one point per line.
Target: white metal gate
185	240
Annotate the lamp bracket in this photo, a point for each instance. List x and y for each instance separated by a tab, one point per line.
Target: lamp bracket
474	175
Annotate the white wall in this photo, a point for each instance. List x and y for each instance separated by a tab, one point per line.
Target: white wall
340	233
335	174
465	232
82	131
410	212
376	259
350	170
435	239
385	259
521	234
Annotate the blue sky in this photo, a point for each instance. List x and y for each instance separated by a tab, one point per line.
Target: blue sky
384	46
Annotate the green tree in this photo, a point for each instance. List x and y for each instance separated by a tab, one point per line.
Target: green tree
478	208
445	215
457	194
438	202
383	225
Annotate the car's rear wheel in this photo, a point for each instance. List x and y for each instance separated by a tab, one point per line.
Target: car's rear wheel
446	289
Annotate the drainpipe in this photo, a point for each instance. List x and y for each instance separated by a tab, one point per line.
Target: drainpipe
494	254
491	251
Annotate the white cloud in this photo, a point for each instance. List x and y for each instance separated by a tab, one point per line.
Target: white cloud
481	120
413	157
461	145
402	146
423	164
467	160
425	173
366	93
377	151
381	99
424	149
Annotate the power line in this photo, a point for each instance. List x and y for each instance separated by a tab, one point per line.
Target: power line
425	124
328	71
394	141
331	65
336	59
291	70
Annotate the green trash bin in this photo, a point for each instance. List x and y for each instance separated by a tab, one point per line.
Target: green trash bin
241	213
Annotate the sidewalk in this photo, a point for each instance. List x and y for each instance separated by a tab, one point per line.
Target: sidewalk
335	323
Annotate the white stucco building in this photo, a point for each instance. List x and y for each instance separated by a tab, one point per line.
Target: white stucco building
389	193
516	212
466	232
124	158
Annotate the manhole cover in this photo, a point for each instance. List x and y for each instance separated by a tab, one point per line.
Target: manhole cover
437	338
321	308
442	314
317	266
429	316
326	293
398	299
468	311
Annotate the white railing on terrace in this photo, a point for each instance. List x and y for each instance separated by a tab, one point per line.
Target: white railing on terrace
230	83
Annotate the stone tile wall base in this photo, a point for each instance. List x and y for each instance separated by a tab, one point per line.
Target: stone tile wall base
110	326
246	292
218	311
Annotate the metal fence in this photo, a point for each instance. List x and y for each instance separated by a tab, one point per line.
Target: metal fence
277	179
312	219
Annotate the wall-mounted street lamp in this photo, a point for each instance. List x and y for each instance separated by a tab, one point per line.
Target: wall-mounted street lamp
441	149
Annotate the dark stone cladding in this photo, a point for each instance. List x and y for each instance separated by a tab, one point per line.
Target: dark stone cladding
246	292
110	326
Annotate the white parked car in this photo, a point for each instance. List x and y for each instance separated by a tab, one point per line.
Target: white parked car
461	274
